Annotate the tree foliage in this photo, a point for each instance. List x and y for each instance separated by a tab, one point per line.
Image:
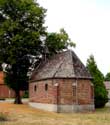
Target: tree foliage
107	77
21	29
21	38
56	42
98	81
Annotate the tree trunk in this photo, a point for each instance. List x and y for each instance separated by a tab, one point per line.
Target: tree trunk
17	97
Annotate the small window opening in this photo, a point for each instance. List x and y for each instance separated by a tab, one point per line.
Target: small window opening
35	88
46	87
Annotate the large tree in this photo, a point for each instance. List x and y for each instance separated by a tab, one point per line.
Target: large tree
21	29
100	91
24	41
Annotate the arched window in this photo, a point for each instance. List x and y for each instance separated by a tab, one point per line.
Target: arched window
46	87
35	88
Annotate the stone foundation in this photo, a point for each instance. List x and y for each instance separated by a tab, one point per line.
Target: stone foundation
47	107
62	108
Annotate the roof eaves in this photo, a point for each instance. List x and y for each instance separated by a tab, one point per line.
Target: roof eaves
31	81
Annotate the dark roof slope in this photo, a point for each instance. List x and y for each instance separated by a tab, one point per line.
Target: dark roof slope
62	65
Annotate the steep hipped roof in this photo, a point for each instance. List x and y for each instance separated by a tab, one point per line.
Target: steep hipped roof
62	65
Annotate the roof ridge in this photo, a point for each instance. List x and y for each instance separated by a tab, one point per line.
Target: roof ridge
71	54
58	68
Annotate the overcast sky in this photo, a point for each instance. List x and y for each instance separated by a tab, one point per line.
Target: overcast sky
88	24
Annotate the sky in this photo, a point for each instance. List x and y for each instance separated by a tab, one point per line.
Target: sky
88	24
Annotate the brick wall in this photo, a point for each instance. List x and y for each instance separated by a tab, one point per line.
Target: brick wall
82	93
85	92
40	95
65	93
5	92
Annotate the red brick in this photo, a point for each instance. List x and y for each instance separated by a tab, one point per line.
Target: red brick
63	94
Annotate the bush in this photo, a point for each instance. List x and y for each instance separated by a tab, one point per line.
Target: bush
101	98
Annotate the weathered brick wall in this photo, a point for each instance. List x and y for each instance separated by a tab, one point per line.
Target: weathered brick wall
5	92
81	94
64	93
41	95
85	92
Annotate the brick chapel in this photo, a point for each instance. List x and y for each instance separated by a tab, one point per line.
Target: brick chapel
62	84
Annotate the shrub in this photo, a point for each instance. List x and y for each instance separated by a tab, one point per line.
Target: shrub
100	96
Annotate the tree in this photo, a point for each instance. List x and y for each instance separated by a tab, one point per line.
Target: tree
107	77
0	67
100	92
21	29
56	42
24	41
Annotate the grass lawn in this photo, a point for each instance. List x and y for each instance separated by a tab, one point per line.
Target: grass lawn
25	115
